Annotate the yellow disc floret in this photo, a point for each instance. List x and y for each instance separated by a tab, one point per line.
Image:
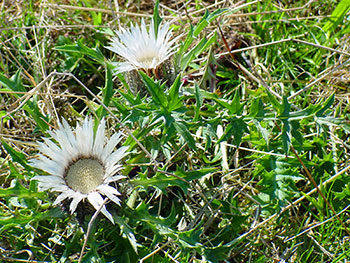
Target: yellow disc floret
84	175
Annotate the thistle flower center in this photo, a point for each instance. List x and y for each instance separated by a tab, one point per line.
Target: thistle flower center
147	58
85	175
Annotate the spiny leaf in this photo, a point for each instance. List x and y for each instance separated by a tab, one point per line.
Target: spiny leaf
182	129
257	109
327	104
17	156
264	132
175	101
156	18
160	223
195	51
19	190
180	178
236	128
278	181
107	92
199	100
82	49
18	220
127	232
275	104
163	226
296	133
206	19
14	83
155	89
190	238
286	128
236	105
330	121
208	80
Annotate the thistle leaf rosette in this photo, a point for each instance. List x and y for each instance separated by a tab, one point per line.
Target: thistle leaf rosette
80	166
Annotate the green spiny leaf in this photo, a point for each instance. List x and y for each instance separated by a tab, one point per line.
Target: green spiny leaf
155	90
208	80
195	51
107	91
175	101
275	104
180	178
82	49
286	128
257	108
127	232
182	129
236	128
17	156
14	83
156	18
19	190
327	104
199	101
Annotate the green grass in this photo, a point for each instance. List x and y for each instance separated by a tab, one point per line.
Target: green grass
222	171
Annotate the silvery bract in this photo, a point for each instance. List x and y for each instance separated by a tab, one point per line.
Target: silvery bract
80	166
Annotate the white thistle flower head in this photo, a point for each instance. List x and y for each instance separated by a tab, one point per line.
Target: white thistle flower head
141	48
80	167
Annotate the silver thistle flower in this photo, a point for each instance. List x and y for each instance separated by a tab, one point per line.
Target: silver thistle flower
140	47
80	167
